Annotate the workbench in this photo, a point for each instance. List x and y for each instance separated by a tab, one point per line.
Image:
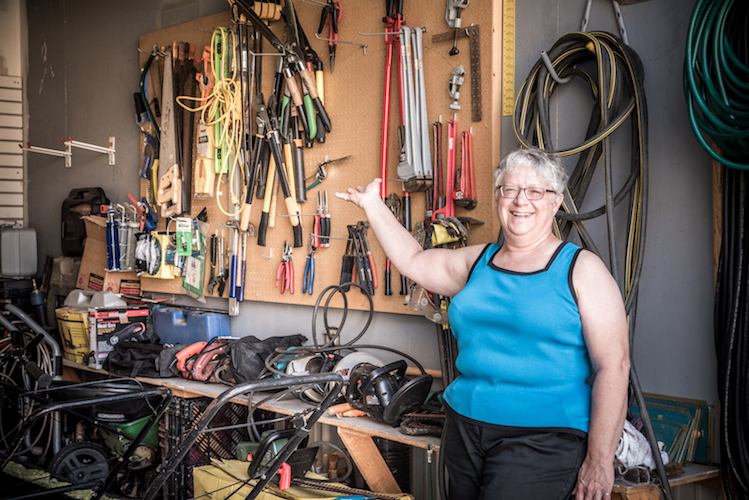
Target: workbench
357	433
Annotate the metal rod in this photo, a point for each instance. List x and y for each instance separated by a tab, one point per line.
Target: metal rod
362	45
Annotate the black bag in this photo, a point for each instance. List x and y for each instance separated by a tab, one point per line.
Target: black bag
248	354
134	359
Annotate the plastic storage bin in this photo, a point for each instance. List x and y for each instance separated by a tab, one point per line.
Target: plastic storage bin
175	325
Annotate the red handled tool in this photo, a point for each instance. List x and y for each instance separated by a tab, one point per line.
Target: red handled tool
285	273
331	15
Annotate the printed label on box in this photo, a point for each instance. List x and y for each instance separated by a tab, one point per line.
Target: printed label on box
103	324
95	282
131	287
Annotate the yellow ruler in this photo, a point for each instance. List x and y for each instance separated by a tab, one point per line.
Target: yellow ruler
508	57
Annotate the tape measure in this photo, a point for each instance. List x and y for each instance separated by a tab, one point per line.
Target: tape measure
508	57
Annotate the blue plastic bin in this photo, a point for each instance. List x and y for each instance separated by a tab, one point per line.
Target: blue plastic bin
175	325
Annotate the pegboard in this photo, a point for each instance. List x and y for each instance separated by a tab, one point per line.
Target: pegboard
353	98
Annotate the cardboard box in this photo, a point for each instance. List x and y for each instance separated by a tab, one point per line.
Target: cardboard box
103	324
73	325
93	274
218	482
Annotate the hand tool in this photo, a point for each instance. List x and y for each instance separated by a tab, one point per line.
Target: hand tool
243	269
113	244
298	159
293	57
325	221
297	41
268	116
187	121
321	173
362	263
449	209
143	77
222	271
393	22
472	32
233	265
149	154
465	195
259	145
316	229
309	269
285	273
314	65
331	15
141	210
456	80
438	198
421	135
347	265
321	92
212	276
394	204
204	164
363	226
453	12
406	210
169	196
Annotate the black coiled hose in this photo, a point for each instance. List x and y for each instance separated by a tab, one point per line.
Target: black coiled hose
731	319
614	75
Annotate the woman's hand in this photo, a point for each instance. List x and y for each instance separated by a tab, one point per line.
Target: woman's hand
361	196
594	480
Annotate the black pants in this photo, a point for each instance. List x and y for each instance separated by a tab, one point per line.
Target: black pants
496	463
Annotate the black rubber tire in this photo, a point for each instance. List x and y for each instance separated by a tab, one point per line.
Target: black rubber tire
80	462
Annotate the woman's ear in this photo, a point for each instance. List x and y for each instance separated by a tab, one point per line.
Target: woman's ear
558	199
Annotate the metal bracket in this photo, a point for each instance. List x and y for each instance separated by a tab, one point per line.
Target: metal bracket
617	13
68	153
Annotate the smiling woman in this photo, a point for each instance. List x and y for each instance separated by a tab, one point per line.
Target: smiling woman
535	318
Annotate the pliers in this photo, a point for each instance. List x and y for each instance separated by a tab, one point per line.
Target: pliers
285	274
331	15
309	269
322	221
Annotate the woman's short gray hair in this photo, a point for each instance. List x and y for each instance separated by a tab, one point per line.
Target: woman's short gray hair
549	167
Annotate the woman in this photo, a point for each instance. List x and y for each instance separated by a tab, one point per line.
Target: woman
537	322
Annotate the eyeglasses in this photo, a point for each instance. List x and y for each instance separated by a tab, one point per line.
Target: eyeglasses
531	193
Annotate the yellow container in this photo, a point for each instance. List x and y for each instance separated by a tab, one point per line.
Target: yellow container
73	325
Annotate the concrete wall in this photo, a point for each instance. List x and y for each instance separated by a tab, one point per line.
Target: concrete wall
83	69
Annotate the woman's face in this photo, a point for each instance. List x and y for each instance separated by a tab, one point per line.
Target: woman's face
521	218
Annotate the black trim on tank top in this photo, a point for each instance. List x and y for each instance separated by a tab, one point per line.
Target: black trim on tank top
569	274
477	261
519	273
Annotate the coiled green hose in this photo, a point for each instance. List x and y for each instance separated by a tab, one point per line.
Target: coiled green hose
716	80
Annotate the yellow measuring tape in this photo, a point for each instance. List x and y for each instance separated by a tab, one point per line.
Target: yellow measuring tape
508	57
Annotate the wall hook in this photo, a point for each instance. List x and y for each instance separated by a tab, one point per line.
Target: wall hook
552	71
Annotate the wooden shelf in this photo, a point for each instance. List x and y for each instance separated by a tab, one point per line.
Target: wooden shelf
190	389
695	473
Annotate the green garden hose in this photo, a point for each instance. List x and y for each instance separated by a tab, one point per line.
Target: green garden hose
716	80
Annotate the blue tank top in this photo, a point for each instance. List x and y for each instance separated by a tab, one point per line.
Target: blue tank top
522	358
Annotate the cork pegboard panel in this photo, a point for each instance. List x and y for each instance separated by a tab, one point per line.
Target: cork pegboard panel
353	98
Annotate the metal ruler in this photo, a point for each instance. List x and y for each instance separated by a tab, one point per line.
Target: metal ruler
508	57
